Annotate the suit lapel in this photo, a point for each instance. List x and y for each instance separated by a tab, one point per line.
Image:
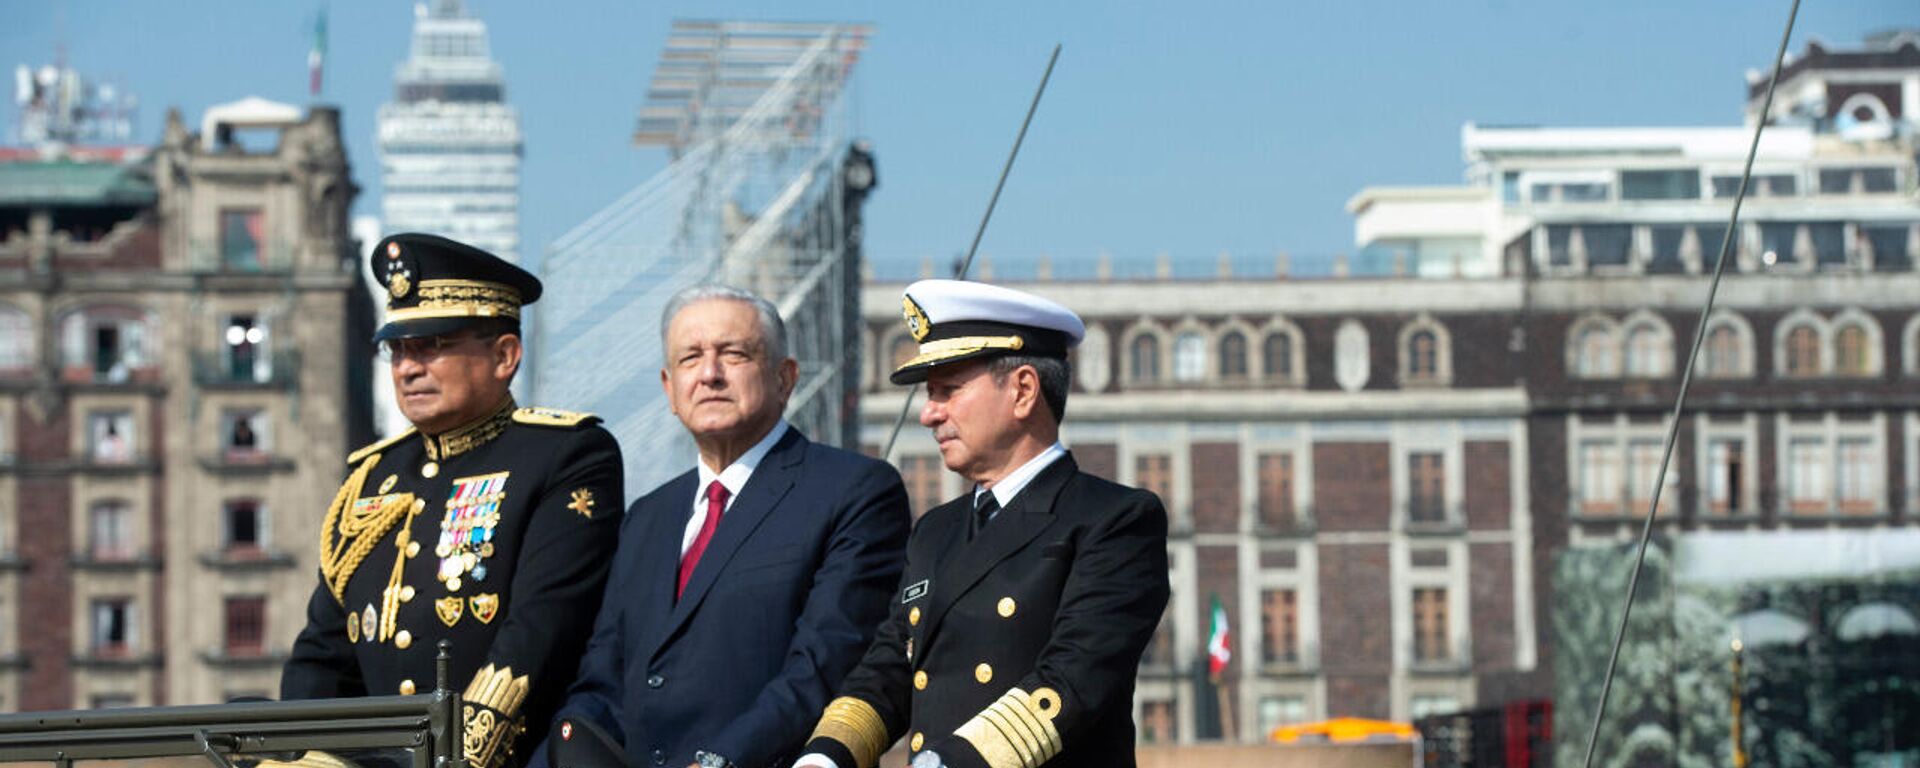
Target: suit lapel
769	483
660	564
966	563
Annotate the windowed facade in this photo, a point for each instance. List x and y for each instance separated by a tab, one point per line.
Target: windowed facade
1725	355
1833	463
1233	356
1189	357
1143	359
241	230
110	437
1649	351
105	344
244	525
1276	359
922	477
1276	711
1426	487
1275	474
1806	489
1858	476
1279	626
1643	471
1726	476
1431	641
1600	491
16	341
1154	472
243	436
244	355
112	627
1422	356
1595	350
1802	352
245	626
110	531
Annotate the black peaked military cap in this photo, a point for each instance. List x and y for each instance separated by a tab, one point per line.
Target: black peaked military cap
436	286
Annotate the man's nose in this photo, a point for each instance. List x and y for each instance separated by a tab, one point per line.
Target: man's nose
408	366
711	371
931	414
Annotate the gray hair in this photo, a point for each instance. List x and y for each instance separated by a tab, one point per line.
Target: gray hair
772	328
1055	374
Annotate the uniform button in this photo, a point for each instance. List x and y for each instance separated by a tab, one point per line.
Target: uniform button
659	757
918	739
413	549
1006	607
655	681
403	640
920	680
430	470
406	594
913	616
406	688
983	673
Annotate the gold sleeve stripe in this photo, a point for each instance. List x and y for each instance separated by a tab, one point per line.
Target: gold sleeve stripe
491	716
856	725
1016	730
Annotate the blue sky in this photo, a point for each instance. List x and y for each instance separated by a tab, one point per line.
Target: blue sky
1188	128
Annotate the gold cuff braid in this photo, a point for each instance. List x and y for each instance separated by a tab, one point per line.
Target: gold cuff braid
1016	730
857	727
491	713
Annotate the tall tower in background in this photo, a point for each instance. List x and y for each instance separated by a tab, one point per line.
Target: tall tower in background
449	144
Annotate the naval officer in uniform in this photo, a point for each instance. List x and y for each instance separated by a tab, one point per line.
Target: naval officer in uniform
1026	602
485	524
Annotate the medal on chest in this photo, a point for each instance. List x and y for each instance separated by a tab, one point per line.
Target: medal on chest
467	527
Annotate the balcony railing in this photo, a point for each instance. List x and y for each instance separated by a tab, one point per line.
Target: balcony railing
268	256
220	370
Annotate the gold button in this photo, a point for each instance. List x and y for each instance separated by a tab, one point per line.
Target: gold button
913	616
413	549
405	639
983	673
920	680
406	688
1006	607
430	469
918	739
406	594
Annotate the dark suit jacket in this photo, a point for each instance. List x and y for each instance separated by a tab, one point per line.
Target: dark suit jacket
781	606
1026	637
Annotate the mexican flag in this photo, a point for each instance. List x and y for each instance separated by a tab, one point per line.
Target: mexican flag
1219	642
317	55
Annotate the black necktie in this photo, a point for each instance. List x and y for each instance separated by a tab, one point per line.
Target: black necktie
984	507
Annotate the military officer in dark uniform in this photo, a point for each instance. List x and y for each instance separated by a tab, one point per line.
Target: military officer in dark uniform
485	524
1026	602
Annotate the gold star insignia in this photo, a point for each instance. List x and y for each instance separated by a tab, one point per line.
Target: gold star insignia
582	502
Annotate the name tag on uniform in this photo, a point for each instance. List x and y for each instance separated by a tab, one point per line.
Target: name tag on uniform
914	592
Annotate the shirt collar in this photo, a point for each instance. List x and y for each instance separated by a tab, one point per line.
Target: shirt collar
1010	486
734	477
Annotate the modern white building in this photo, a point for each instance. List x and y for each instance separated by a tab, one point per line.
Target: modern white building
449	143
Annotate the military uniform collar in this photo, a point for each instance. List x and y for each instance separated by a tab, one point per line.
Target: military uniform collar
471	435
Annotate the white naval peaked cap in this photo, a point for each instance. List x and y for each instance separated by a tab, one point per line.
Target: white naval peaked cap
956	320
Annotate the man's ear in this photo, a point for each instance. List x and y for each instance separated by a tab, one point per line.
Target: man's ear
506	356
1026	391
789	377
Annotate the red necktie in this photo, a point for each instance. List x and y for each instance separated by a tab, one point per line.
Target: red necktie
716	503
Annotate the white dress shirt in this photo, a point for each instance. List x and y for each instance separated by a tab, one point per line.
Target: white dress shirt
733	478
1004	492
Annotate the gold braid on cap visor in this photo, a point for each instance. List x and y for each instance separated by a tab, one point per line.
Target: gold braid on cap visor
948	349
460	298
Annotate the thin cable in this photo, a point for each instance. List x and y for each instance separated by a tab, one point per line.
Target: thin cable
906	406
1686	382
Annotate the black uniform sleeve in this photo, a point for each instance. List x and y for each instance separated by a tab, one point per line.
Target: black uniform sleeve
557	584
1109	607
322	665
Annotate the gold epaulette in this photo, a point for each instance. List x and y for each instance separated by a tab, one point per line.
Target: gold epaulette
356	456
1016	731
856	725
553	417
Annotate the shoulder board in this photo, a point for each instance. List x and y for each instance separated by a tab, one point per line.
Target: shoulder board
356	456
553	417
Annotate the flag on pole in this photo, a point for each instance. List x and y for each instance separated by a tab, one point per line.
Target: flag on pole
317	55
1219	642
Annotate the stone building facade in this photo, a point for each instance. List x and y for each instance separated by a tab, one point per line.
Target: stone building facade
181	370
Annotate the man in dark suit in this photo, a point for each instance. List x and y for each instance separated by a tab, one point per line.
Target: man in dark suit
484	524
1027	602
745	589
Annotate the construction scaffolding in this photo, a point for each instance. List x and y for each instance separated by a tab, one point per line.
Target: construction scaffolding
764	192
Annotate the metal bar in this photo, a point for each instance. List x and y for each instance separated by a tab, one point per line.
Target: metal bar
1686	383
906	406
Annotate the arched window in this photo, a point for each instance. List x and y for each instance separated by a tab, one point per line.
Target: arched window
1595	353
1276	358
1851	353
1722	357
1803	352
1648	354
1233	355
1422	356
1143	359
1189	357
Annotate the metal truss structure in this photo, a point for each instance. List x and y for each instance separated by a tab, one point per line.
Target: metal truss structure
763	193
